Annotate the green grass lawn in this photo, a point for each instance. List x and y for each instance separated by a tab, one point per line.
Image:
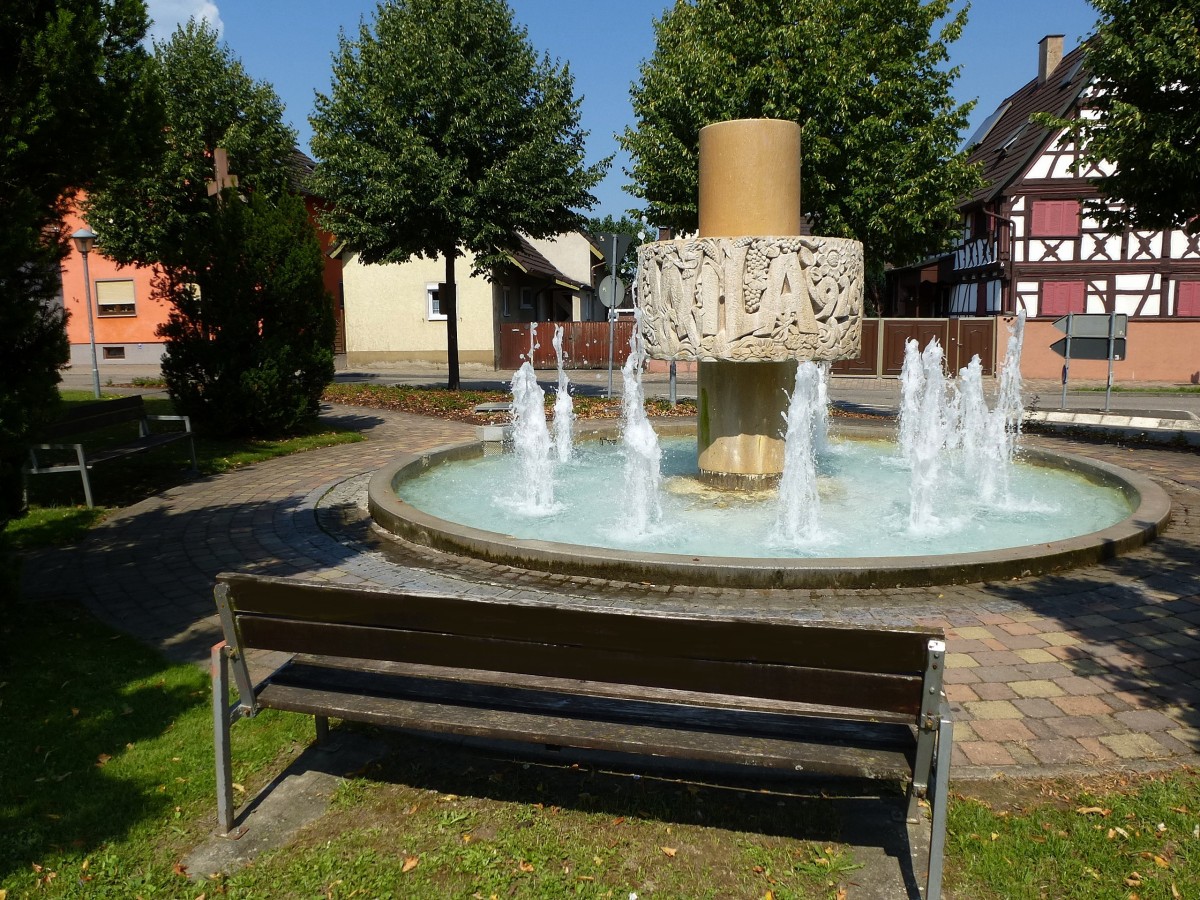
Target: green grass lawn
1117	837
107	759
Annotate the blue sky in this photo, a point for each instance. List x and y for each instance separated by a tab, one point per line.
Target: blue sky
289	44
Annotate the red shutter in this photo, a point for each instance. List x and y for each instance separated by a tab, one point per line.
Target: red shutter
1055	218
1061	297
1187	298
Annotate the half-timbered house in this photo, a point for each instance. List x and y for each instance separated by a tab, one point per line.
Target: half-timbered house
1028	242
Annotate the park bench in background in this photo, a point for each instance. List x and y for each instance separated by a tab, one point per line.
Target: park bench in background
860	702
89	418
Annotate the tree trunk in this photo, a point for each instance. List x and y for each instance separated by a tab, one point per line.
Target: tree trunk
449	304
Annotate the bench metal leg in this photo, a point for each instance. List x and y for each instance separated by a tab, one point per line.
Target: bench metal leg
221	724
192	444
322	728
83	473
941	793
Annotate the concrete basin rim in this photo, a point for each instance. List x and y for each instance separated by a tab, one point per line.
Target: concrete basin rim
1151	511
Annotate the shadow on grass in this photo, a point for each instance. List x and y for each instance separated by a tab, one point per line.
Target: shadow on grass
74	703
761	806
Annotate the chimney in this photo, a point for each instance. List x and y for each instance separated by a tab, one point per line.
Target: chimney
1050	54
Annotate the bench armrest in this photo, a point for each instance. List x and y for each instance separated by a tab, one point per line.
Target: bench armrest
54	446
186	420
34	463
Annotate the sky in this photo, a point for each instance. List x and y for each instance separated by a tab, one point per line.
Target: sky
289	43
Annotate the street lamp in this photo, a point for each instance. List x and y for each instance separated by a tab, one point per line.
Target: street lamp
84	240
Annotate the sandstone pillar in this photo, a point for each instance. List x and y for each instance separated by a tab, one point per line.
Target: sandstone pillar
749	185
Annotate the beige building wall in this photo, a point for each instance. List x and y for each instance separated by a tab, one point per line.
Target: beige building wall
388	317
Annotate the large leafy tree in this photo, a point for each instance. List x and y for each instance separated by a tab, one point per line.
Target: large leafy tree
866	79
208	101
249	338
76	109
444	132
1143	114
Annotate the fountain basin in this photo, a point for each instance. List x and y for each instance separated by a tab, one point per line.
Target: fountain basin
1149	505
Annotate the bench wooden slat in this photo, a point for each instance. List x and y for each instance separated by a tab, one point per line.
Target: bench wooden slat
93	416
556	731
607	690
138	445
596	705
894	693
816	646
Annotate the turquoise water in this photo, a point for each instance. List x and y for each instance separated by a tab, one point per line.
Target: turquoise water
864	503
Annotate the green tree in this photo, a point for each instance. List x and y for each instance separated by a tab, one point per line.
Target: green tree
444	132
1143	114
249	338
77	108
867	81
208	101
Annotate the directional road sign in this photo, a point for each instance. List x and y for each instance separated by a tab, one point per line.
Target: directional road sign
1090	347
614	246
1092	325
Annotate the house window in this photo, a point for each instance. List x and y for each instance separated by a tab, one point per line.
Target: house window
434	311
1187	298
505	297
1062	297
1055	218
114	352
526	298
115	298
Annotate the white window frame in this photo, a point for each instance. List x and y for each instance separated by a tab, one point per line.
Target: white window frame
431	290
506	301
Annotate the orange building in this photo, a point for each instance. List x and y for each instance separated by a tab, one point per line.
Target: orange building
126	314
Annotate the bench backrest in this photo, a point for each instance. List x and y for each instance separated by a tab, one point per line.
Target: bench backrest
866	669
94	416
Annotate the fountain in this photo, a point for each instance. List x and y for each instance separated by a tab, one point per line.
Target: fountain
531	437
564	408
744	503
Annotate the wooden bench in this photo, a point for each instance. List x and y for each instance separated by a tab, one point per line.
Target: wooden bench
857	702
91	417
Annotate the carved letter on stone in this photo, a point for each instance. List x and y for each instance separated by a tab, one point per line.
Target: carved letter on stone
751	299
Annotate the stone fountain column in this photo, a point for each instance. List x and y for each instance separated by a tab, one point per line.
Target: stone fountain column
748	297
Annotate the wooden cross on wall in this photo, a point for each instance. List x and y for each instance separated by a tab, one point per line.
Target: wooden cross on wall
224	179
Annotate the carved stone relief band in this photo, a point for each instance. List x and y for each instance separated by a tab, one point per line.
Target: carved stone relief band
751	299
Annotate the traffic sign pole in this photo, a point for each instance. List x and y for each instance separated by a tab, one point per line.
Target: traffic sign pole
1066	363
1112	335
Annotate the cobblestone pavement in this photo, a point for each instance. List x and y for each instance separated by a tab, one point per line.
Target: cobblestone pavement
1059	674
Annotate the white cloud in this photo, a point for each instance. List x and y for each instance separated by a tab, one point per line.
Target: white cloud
165	15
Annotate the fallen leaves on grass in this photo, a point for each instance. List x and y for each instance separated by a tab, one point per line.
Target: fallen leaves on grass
460	405
669	852
410	863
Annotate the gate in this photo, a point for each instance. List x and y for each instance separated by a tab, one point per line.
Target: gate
585	344
883	343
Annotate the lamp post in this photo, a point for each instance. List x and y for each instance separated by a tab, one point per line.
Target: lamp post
84	240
